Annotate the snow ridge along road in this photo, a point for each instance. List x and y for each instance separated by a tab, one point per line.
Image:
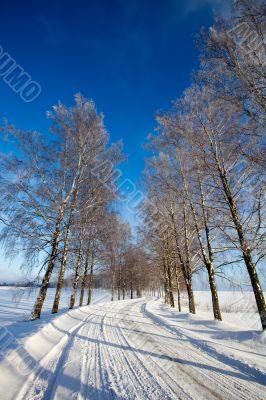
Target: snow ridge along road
133	349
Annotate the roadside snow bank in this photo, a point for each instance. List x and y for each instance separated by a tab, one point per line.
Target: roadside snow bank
224	339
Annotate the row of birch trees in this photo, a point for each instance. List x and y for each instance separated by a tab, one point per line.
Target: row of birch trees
55	200
126	264
205	179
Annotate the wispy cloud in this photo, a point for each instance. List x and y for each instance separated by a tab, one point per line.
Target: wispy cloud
217	6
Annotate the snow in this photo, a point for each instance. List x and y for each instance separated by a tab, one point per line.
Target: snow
131	349
238	308
16	303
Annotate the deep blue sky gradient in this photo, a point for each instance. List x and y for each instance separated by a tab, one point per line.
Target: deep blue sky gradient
132	57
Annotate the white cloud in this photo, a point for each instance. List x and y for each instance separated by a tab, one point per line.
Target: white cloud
220	6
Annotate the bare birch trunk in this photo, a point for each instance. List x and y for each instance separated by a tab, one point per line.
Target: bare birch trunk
61	276
119	284
207	259
131	288
178	289
36	313
185	267
139	293
170	286
77	275
124	291
190	293
251	267
113	288
166	292
215	299
91	279
188	270
84	277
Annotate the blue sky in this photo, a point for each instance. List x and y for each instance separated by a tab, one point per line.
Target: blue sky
132	57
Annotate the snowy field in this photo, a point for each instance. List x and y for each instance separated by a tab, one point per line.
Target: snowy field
16	303
133	349
238	308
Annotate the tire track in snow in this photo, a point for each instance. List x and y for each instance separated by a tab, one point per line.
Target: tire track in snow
169	373
70	366
103	362
88	362
37	383
94	377
122	350
83	363
230	385
180	381
113	361
166	390
141	382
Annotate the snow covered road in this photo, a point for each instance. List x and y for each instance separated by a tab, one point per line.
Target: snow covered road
133	349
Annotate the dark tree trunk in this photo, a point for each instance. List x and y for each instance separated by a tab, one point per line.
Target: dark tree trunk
186	270
84	277
91	279
77	275
214	293
190	293
170	286
139	294
36	313
208	261
178	289
166	293
61	276
251	267
119	284
113	288
131	288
